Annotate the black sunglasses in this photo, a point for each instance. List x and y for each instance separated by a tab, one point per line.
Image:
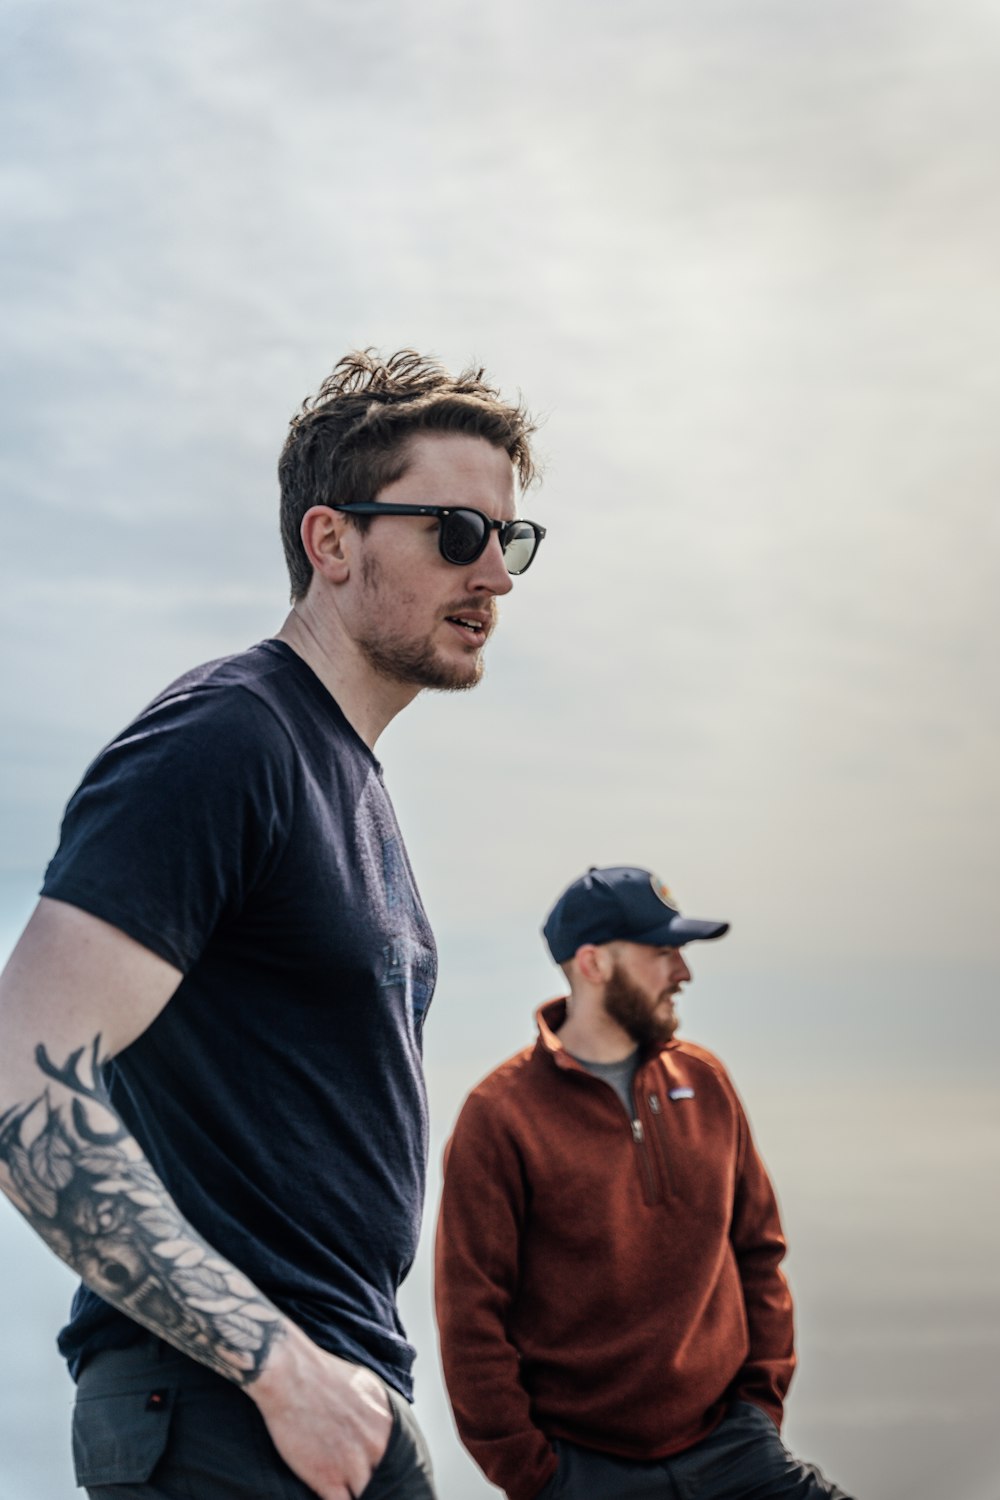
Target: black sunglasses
464	533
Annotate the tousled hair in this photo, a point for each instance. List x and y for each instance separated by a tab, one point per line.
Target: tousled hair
350	440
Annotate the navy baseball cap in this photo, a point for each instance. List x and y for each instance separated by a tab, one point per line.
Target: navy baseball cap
621	903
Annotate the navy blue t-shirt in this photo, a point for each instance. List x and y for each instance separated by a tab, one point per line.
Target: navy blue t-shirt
240	829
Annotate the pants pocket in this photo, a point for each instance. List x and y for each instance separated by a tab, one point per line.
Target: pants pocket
384	1465
551	1488
750	1412
119	1438
404	1470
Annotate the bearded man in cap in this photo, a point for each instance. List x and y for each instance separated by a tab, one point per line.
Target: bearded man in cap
614	1321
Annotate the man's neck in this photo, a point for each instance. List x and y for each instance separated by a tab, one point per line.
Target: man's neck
595	1038
367	700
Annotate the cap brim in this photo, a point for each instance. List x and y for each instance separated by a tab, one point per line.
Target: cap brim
677	931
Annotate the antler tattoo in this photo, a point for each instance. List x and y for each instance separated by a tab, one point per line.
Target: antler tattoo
98	1203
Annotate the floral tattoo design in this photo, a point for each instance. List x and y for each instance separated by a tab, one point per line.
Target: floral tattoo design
98	1204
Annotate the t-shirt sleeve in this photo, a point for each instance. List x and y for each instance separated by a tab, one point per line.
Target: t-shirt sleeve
177	820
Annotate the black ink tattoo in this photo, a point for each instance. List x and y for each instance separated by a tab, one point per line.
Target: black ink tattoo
81	1180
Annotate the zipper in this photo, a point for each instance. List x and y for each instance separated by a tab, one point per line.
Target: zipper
648	1175
651	1189
660	1132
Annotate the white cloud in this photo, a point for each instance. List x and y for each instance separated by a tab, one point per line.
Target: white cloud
743	256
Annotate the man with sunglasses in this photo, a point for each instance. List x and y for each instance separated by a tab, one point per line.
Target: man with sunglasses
211	1097
614	1321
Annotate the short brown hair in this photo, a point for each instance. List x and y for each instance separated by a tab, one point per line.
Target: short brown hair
349	440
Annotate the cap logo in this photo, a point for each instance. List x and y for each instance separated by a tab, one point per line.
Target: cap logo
663	892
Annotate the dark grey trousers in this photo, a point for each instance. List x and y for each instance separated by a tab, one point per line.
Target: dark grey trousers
150	1424
743	1459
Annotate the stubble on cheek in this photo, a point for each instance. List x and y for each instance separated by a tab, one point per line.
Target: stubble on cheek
404	657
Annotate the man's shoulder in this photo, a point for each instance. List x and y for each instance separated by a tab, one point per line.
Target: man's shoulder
218	704
504	1088
699	1059
497	1111
264	694
258	672
511	1076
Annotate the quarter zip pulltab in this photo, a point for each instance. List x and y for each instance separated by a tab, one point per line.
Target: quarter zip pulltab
649	1183
654	1103
645	1165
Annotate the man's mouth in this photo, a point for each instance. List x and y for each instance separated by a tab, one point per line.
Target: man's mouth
472	625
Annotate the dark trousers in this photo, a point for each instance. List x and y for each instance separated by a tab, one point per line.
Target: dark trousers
150	1424
743	1459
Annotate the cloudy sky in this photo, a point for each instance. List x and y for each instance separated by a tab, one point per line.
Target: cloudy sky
741	257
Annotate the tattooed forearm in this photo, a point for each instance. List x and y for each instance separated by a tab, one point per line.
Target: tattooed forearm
81	1180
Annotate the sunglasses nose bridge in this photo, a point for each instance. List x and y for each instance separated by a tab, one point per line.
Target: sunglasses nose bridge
502	529
508	533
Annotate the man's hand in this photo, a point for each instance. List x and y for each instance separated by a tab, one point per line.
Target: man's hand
330	1420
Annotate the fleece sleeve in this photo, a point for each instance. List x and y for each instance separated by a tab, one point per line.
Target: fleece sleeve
483	1206
759	1246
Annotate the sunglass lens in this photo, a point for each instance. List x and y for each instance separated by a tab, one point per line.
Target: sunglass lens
519	546
463	536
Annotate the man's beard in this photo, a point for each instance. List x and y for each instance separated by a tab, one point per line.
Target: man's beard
416	663
635	1012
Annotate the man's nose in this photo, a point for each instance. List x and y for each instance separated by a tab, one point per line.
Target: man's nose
489	571
681	971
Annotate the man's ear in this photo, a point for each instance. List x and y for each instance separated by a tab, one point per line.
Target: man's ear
593	963
327	539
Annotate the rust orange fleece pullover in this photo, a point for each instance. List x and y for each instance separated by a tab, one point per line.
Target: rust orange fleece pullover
608	1284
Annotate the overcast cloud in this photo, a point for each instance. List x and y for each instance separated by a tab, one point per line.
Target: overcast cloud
742	258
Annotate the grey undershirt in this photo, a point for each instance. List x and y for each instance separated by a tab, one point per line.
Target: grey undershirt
620	1075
